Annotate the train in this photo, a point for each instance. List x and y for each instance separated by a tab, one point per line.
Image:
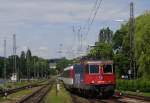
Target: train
91	78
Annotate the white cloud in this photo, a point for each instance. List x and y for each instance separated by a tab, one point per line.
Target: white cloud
23	48
40	22
20	12
43	49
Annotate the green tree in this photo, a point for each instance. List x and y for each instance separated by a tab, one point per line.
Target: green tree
101	51
62	64
29	63
1	66
23	67
105	35
103	48
142	43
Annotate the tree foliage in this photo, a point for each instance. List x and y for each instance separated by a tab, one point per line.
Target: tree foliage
101	51
105	35
142	44
63	63
103	48
23	65
28	66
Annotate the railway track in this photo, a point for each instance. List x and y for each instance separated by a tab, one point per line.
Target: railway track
137	97
110	100
126	99
114	99
37	96
11	91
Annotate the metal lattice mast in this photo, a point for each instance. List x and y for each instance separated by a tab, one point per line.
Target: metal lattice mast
5	60
14	55
132	39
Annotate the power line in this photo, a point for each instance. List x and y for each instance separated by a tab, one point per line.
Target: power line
95	13
97	7
89	19
87	25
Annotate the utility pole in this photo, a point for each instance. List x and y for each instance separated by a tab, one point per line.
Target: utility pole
15	71
60	50
34	69
132	40
45	71
5	60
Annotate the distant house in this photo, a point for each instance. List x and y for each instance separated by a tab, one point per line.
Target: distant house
53	63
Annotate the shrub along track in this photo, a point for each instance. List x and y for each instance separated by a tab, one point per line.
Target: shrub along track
37	96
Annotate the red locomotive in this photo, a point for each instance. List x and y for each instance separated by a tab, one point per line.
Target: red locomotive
91	78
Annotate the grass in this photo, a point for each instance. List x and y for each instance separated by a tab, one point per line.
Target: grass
11	85
62	97
146	94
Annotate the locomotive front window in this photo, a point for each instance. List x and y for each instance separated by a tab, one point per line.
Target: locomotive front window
107	69
94	69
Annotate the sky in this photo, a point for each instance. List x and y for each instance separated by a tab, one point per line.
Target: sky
47	27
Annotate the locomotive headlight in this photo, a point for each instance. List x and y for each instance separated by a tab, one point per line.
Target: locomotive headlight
93	81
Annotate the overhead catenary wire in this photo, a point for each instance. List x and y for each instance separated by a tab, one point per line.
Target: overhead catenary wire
95	13
91	19
91	12
85	28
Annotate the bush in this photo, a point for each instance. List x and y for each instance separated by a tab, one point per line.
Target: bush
133	85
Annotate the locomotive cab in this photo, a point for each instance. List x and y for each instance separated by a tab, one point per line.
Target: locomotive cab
100	75
100	72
